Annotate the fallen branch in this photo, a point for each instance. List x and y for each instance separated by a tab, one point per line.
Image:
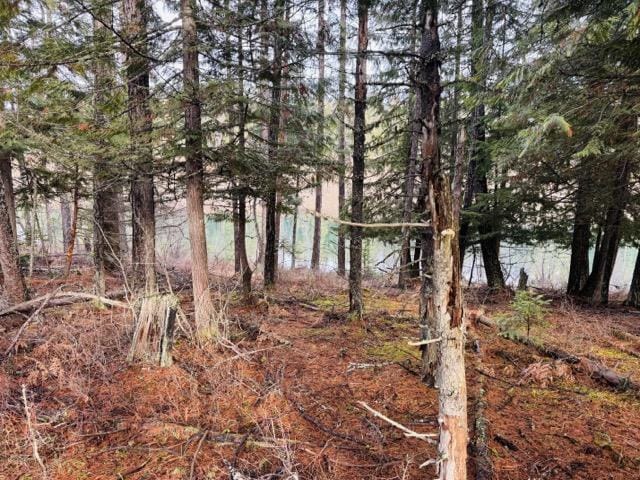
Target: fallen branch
293	301
421	343
427	437
316	423
24	325
361	366
369	225
66	298
32	434
195	455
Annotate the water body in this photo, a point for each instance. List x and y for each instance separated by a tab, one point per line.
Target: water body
547	264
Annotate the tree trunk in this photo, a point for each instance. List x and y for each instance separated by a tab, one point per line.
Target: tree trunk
271	200
490	248
122	217
488	226
427	103
294	227
136	15
245	269
106	219
342	82
65	218
596	289
203	306
73	233
633	299
357	182
15	289
456	88
415	116
6	177
317	221
579	265
259	232
414	268
446	298
236	231
471	186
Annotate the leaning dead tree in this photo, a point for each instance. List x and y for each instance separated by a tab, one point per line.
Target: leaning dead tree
443	296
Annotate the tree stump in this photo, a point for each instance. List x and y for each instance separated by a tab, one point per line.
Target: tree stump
523	279
153	333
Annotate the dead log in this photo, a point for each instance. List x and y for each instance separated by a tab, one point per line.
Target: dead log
594	368
484	467
626	336
66	298
605	374
623	349
544	349
24	325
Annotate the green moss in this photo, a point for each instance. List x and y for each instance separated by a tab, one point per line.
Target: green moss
394	351
606	397
332	301
613	353
541	393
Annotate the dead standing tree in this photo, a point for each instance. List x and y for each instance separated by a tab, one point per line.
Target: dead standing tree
443	296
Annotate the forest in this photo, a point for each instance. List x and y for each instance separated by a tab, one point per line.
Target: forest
319	239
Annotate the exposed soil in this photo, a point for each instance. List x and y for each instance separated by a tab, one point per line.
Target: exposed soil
283	399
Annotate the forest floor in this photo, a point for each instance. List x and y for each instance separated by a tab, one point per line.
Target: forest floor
283	401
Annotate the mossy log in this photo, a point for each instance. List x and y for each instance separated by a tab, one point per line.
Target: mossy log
592	367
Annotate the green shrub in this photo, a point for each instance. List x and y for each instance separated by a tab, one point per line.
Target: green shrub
528	310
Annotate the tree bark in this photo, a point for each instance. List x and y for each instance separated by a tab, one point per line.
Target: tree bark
633	299
6	177
15	289
317	221
342	82
414	128
236	231
245	269
73	232
136	15
203	306
446	299
488	226
596	289
106	218
357	182
579	265
65	218
271	200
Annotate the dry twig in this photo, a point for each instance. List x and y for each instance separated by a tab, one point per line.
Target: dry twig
32	434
